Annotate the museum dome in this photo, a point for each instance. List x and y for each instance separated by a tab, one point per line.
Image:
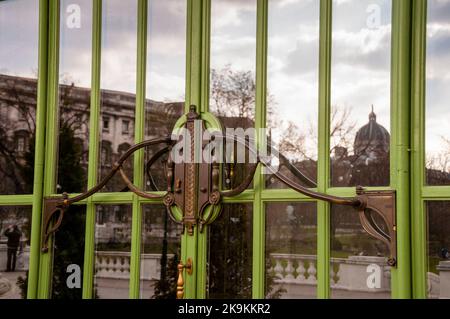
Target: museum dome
372	139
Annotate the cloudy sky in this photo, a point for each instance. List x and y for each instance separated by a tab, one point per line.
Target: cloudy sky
360	61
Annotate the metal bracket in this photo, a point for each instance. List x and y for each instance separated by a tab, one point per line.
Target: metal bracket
383	204
54	209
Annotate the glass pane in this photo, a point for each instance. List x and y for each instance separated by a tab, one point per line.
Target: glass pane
232	78
437	93
160	254
292	80
74	94
18	94
69	255
15	231
438	275
118	77
358	267
166	74
112	252
291	251
360	93
233	52
230	253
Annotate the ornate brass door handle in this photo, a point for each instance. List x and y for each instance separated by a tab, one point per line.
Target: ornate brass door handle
193	196
180	281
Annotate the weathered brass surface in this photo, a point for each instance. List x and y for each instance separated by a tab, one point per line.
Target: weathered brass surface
180	281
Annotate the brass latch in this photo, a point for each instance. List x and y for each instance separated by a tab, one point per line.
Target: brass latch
180	282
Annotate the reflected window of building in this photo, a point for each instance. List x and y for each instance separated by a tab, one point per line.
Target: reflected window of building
125	127
106	154
105	122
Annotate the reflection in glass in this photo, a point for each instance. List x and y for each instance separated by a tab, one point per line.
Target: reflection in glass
437	93
118	83
233	51
112	252
160	254
292	80
69	250
165	78
291	251
18	94
360	92
232	76
358	267
230	253
15	231
74	96
438	275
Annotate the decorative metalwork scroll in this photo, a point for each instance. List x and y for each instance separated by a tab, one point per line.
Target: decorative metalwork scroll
193	196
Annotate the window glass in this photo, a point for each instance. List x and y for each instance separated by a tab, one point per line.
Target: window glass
358	267
112	252
437	94
292	81
74	94
68	255
360	92
118	83
291	251
230	253
15	234
438	274
166	78
18	94
160	253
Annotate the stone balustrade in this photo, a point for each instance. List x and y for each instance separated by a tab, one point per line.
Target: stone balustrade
292	272
112	264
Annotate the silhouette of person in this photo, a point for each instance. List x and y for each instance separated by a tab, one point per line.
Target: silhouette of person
13	234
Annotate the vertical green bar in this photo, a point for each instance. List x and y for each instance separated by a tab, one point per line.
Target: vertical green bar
196	11
258	262
33	273
323	167
400	145
94	140
139	129
419	236
51	137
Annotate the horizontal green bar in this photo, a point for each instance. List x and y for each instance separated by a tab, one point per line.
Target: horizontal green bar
16	200
436	193
351	191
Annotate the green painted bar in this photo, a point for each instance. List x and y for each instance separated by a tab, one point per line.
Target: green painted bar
323	167
94	139
205	55
258	262
36	198
19	200
419	236
400	142
138	169
51	137
435	192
